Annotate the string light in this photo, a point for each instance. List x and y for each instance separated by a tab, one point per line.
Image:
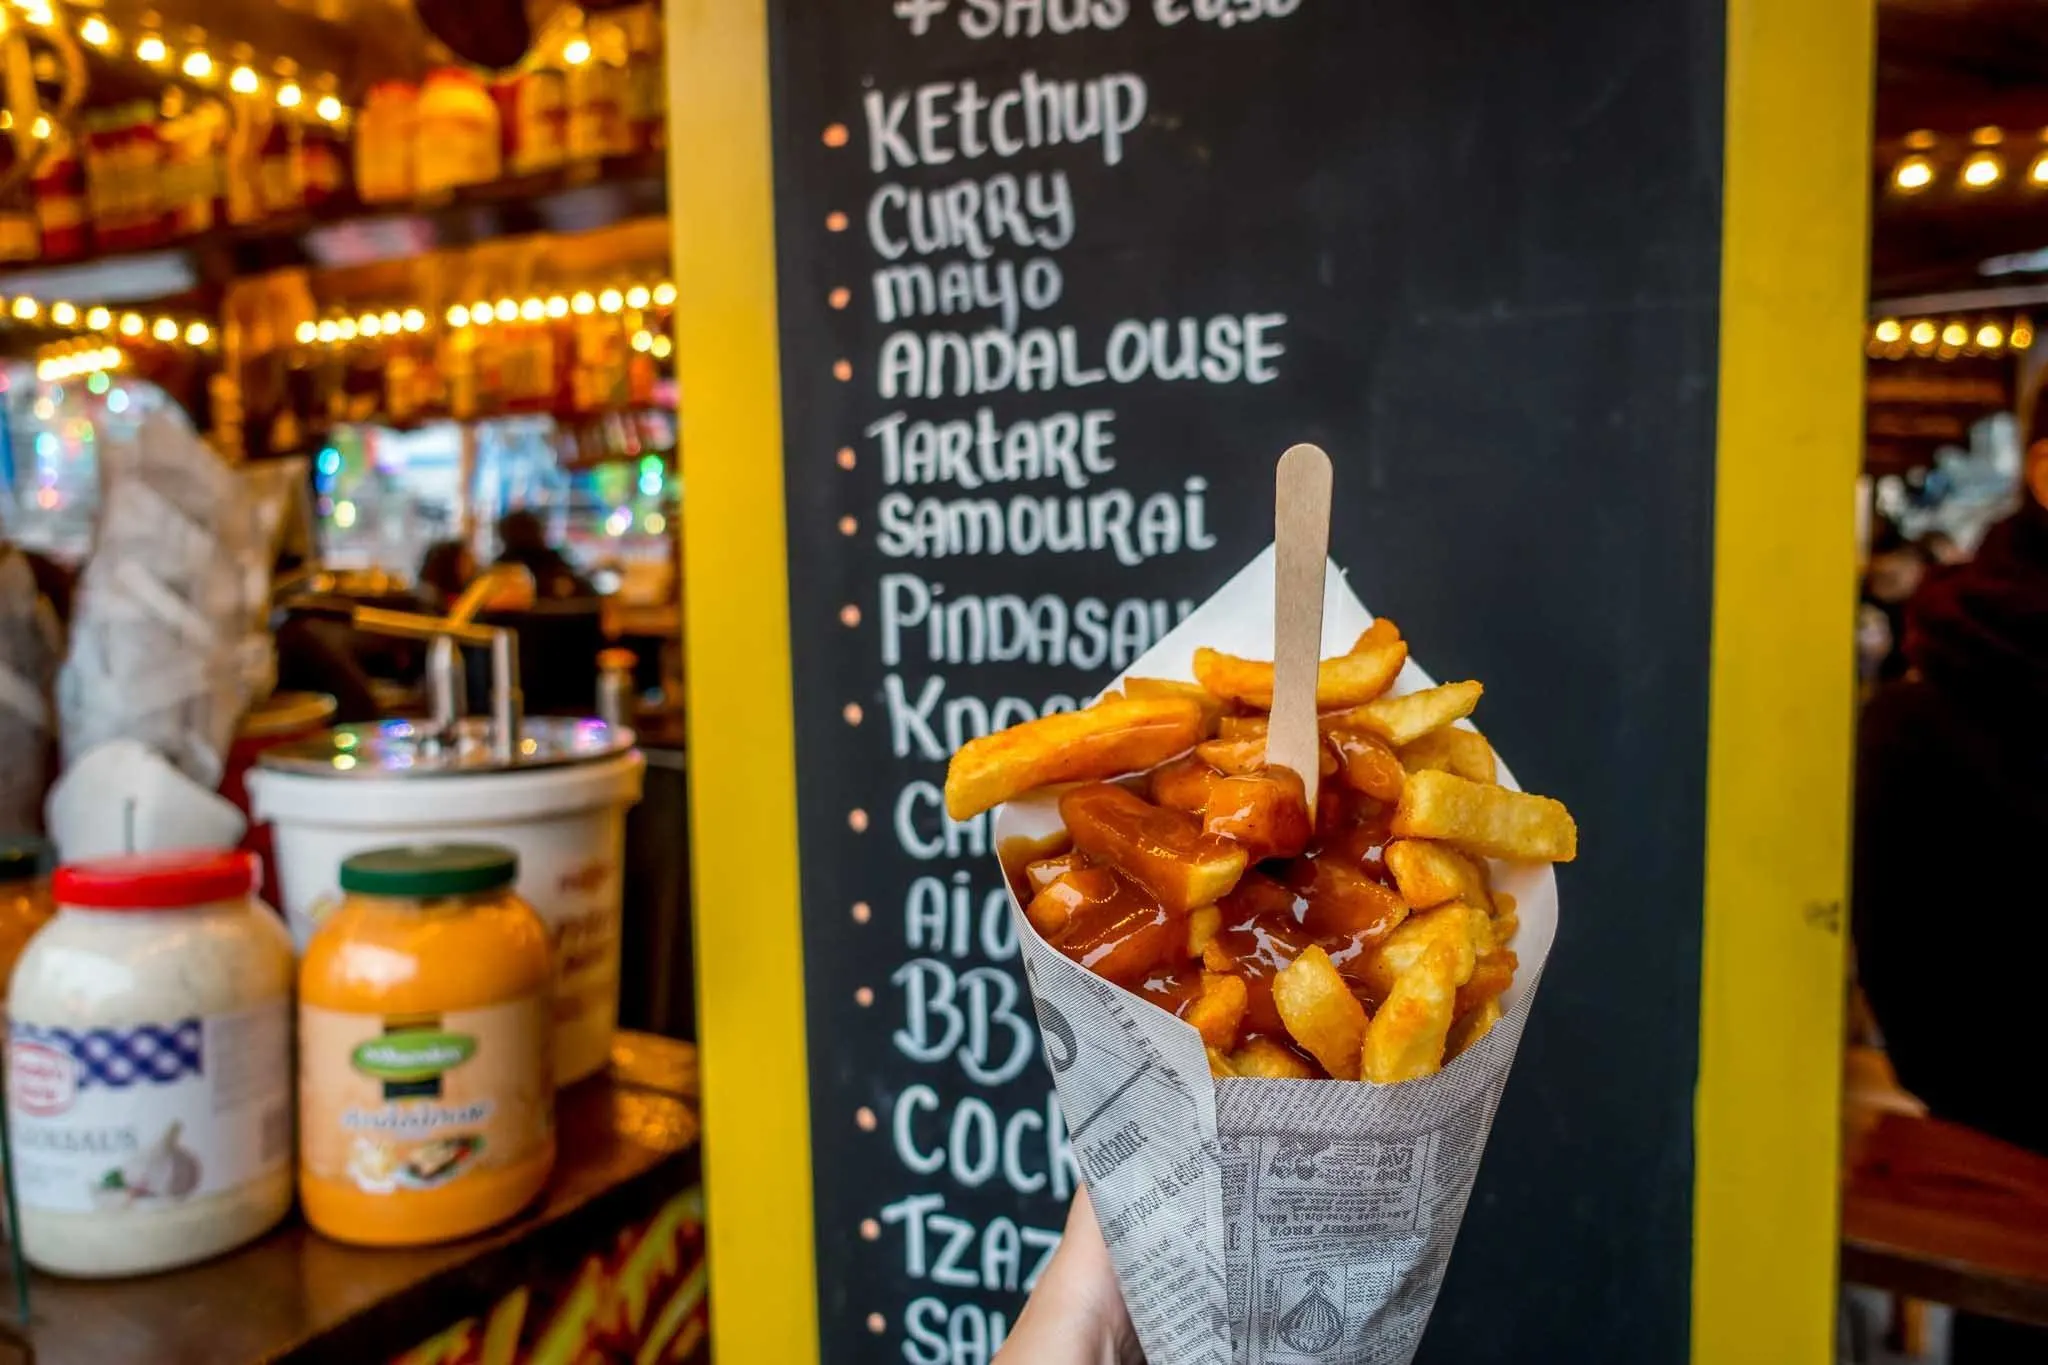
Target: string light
413	320
198	334
1913	174
243	80
328	108
1888	331
26	309
662	347
480	313
1923	333
99	319
198	65
95	31
576	51
458	316
611	301
643	340
484	312
370	325
391	322
164	330
132	324
638	296
345	328
558	306
40	130
1983	170
533	310
508	310
289	96
1990	336
664	294
583	304
1955	334
2022	334
63	314
307	333
328	332
151	50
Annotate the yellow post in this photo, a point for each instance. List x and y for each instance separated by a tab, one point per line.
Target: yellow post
1795	240
735	591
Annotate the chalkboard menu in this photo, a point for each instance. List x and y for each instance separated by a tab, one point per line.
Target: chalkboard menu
1058	281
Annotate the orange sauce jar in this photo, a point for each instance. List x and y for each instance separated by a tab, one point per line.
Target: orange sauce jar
426	1092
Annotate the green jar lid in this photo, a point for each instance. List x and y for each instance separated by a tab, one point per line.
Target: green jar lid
23	859
430	870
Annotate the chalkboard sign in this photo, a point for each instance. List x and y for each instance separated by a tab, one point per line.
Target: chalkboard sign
1057	281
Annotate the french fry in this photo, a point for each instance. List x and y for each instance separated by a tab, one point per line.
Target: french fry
1121	940
1152	689
1447	925
1184	783
1359	676
1162	850
1262	1057
1321	1012
1220	1065
1400	721
1265	812
1367	764
1243	727
1505	920
1241	757
1204	922
1405	1040
1491	821
1433	874
1065	896
1071	746
1217	1009
1453	749
1491	977
1468	1029
1336	901
1046	871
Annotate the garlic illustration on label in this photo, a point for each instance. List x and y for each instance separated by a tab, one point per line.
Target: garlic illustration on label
162	1170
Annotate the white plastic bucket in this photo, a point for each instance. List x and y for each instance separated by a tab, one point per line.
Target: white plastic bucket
568	825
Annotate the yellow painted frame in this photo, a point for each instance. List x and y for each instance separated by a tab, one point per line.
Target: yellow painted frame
1793	263
750	1022
1767	1121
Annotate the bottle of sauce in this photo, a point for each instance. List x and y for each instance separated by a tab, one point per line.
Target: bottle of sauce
323	152
456	134
149	1066
25	903
60	198
384	142
426	1100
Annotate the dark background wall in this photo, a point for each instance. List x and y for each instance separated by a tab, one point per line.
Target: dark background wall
1494	232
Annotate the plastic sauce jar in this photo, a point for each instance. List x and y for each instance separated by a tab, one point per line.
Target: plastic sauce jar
149	1066
426	1081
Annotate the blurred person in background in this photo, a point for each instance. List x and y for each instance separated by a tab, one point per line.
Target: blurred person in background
445	570
523	540
1897	569
1951	819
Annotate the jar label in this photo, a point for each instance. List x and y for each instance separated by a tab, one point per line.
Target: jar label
389	1103
147	1115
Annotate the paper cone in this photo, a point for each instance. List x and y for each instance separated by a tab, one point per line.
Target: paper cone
1259	1221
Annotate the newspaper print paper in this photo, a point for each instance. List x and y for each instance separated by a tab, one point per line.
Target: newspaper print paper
1254	1221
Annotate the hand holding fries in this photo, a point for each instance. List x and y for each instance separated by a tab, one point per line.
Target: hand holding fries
1365	942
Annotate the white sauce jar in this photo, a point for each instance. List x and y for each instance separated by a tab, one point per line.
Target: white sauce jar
149	1066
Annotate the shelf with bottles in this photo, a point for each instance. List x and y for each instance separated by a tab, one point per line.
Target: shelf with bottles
249	165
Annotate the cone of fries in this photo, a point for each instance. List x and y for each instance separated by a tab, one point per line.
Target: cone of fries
1279	1023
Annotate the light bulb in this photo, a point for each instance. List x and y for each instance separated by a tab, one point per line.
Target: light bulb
132	324
164	329
95	31
328	108
664	294
307	333
197	334
198	65
152	50
637	296
558	306
458	316
583	304
611	301
1889	331
413	320
99	319
244	81
63	314
576	51
1913	174
289	96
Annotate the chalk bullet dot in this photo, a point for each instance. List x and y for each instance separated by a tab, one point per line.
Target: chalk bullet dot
857	820
854	715
836	135
862	912
839	298
849	615
864	997
846	457
842	370
835	221
847	526
864	1119
870	1230
877	1323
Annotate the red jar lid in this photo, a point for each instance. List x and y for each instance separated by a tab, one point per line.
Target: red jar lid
156	881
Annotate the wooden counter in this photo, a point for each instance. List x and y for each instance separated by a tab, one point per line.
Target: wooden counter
628	1146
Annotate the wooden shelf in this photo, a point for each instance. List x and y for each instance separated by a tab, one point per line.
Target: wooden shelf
580	197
